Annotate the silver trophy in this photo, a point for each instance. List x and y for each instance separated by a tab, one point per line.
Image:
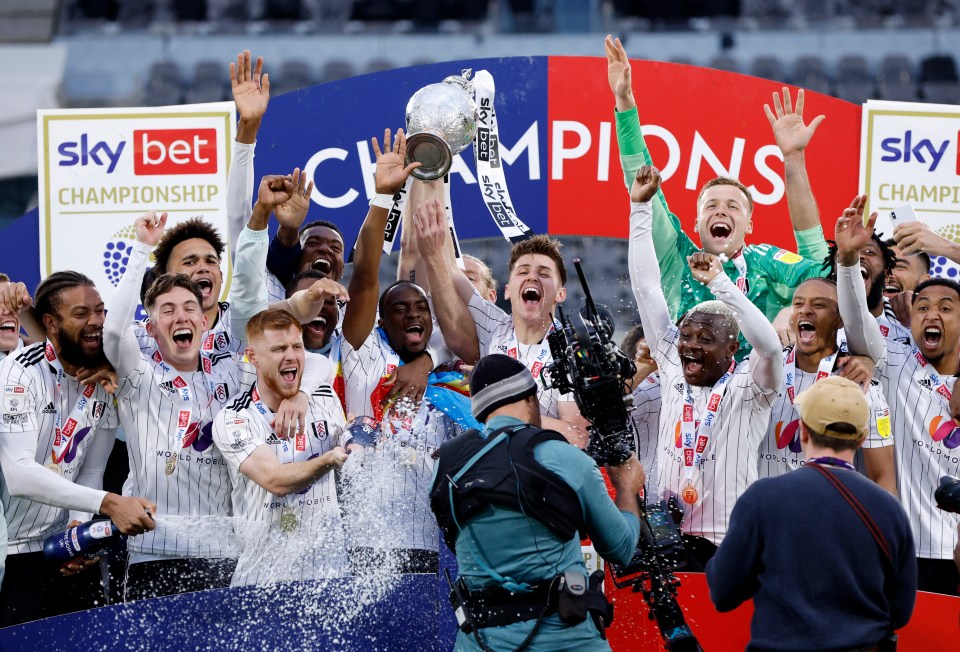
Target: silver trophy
441	122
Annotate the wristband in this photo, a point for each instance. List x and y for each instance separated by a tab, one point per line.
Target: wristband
382	201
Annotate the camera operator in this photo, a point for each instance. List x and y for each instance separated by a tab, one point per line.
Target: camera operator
832	567
532	588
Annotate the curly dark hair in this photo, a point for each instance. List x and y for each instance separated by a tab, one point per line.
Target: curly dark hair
195	227
46	300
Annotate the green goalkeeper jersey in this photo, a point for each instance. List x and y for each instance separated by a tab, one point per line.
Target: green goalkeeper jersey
771	275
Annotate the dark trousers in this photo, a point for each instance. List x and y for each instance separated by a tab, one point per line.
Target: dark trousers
938	576
409	560
152	579
32	590
698	551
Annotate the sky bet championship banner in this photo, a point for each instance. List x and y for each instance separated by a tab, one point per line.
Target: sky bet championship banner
910	154
101	168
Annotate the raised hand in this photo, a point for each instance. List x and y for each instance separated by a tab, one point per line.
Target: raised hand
250	87
645	185
149	228
293	211
275	189
15	298
306	304
916	237
851	233
705	267
430	220
619	73
791	134
391	174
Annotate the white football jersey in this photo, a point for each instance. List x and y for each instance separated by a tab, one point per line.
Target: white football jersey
284	538
645	416
927	448
780	450
30	407
730	457
196	483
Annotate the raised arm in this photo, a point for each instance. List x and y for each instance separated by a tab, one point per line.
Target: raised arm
671	244
766	364
411	266
248	292
119	340
861	328
792	137
456	323
364	288
251	95
644	271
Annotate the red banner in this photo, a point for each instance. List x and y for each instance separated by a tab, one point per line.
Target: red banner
699	124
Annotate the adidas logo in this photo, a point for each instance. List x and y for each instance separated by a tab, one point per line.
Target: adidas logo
49	409
925	383
273	439
679	387
167	386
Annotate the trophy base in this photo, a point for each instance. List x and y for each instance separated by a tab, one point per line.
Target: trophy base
433	154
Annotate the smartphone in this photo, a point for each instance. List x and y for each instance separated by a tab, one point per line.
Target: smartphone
902	215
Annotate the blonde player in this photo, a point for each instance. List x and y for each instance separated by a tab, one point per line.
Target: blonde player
714	411
918	380
284	495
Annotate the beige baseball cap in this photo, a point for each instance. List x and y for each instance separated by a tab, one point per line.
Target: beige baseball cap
834	400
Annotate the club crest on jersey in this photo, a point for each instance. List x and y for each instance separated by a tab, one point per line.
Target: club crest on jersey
220	392
98	408
221	341
14	399
319	430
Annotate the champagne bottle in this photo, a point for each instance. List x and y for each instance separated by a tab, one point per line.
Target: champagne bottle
78	542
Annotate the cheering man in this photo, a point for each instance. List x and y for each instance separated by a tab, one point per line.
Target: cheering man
167	402
815	321
56	434
764	273
918	379
283	492
714	411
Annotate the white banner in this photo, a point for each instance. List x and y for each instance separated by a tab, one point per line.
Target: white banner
101	168
909	155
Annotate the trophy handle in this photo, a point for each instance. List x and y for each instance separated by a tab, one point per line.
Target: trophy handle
432	152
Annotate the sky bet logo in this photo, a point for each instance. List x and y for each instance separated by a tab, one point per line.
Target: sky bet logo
155	152
923	151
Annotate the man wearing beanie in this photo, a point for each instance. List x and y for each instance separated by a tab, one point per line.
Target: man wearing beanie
514	478
826	554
